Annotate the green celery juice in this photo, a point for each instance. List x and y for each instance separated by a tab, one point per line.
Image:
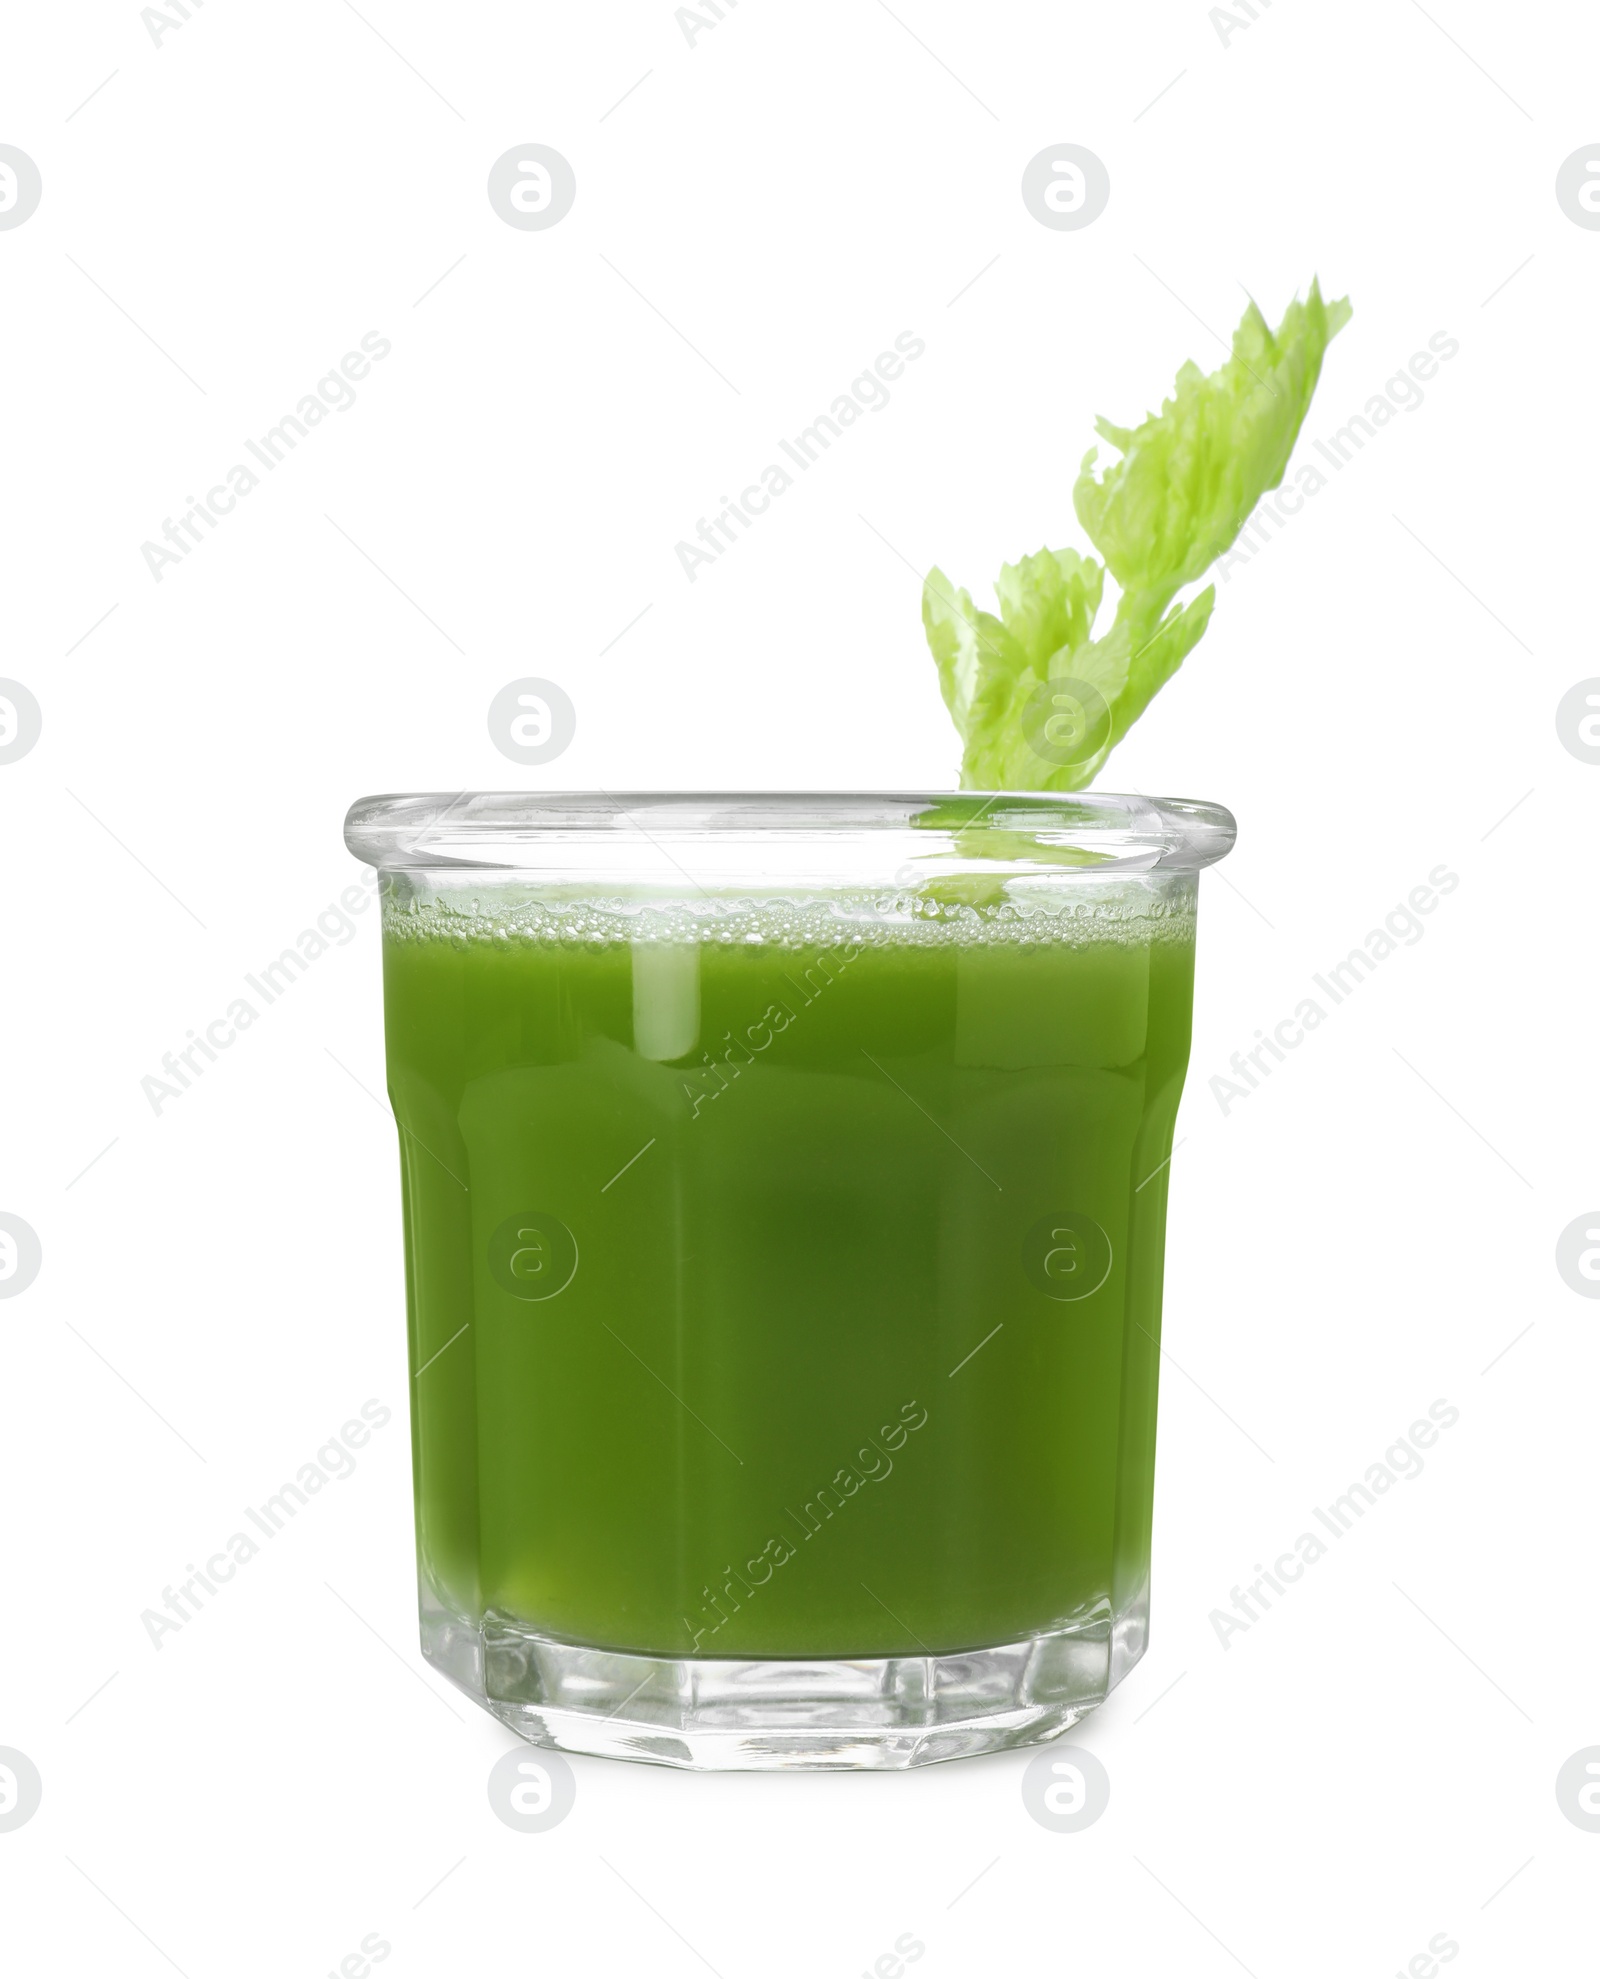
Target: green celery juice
782	1285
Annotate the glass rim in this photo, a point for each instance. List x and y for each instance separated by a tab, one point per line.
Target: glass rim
517	830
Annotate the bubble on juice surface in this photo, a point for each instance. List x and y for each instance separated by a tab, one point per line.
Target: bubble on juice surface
512	915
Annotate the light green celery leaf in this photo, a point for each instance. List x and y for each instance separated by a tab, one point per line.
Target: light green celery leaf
1048	601
1013	746
989	667
969	647
1000	754
1157	658
1190	475
1184	487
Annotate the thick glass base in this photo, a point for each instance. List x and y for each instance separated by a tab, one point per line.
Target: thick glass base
770	1714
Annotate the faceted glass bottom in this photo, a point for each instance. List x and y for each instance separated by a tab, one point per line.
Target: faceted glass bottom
768	1714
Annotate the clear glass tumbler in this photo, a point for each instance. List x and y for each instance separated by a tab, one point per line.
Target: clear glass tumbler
784	1186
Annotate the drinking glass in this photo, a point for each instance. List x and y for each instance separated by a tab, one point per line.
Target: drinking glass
784	1184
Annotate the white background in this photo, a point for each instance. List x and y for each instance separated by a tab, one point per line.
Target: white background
1374	1762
